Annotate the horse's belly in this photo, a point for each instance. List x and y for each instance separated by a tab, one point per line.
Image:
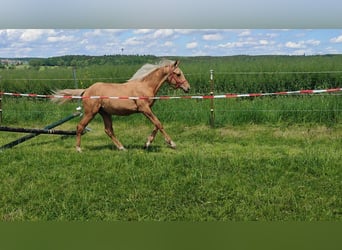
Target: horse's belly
119	107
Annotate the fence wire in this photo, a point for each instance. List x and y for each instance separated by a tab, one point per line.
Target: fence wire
197	111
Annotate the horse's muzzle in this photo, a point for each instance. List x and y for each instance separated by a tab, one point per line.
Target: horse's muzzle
185	87
186	90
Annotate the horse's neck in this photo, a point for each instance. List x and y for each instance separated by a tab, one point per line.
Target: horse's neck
155	80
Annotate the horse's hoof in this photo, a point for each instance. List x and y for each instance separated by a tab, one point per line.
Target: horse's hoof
122	148
172	145
78	149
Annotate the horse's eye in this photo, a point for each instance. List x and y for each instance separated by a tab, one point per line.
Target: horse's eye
179	74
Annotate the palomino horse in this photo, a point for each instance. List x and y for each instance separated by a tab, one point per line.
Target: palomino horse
144	83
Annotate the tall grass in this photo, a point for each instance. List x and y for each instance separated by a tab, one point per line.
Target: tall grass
314	109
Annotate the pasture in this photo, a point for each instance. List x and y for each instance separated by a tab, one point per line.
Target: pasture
267	159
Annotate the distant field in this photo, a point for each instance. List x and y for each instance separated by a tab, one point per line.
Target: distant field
234	74
267	159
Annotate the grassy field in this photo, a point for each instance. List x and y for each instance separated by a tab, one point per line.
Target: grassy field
263	170
267	159
235	173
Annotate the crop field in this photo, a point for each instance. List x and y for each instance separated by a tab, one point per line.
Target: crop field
266	159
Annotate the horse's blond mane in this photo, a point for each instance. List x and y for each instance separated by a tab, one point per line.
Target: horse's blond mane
148	68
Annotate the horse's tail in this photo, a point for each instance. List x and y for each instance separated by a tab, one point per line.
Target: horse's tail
66	92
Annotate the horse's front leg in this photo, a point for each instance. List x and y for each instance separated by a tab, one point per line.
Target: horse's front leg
158	126
151	137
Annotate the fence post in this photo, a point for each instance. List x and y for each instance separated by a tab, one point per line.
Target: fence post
212	114
76	86
74	76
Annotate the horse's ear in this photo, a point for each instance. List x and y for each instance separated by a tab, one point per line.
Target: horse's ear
176	63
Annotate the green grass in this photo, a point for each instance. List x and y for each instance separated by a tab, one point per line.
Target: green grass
317	109
233	173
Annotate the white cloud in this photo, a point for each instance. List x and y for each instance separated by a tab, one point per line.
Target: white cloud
302	44
263	42
142	31
272	35
30	35
10	34
95	32
313	42
245	33
231	45
212	37
337	39
185	31
294	45
191	45
132	41
13	34
331	50
84	41
168	44
227	45
102	32
161	33
54	39
40	42
300	34
91	47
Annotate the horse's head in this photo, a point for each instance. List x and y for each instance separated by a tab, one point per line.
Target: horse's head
176	78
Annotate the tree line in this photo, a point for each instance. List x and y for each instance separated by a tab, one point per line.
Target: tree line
84	60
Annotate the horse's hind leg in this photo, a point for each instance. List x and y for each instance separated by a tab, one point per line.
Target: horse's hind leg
107	119
80	127
90	110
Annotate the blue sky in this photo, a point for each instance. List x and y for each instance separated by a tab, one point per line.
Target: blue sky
169	42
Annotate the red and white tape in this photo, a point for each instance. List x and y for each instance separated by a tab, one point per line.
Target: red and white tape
298	92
